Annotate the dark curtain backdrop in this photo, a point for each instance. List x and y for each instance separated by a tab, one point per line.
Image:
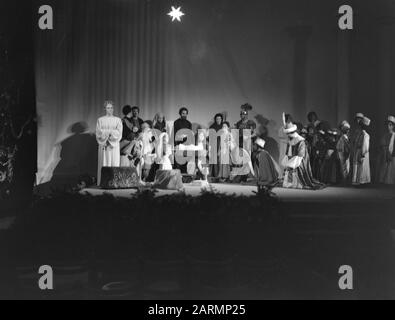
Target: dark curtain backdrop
224	53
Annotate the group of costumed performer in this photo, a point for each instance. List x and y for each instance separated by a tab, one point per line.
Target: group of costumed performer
344	157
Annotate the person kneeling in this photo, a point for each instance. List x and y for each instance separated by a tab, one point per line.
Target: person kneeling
166	178
267	171
297	174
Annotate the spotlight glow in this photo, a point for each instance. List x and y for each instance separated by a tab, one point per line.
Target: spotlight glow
176	14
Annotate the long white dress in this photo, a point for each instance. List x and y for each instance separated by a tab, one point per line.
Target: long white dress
361	159
108	136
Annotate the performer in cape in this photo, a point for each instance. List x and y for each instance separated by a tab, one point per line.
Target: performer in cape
331	170
297	174
361	158
386	163
267	171
108	135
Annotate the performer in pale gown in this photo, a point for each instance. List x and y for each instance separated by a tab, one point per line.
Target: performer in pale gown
108	135
361	159
343	148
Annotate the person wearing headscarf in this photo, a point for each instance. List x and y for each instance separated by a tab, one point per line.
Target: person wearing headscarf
343	148
386	164
297	173
224	153
267	171
159	123
283	139
360	155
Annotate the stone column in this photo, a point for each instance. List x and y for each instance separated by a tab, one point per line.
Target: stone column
386	35
300	35
343	75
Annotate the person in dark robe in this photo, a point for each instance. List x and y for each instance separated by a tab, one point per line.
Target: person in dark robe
313	119
136	120
181	124
386	162
297	174
331	170
130	132
216	127
267	171
355	133
319	152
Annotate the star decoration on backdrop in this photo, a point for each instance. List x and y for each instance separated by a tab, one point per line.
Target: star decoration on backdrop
176	14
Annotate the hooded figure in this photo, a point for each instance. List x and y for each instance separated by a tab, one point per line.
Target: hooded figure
267	171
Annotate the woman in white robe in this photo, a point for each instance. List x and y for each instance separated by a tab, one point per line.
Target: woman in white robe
361	158
108	136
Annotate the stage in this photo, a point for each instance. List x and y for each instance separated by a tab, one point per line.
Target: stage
329	195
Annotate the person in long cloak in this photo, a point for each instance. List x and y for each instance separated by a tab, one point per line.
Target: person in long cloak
297	174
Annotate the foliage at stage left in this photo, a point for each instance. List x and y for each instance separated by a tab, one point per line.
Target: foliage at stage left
84	226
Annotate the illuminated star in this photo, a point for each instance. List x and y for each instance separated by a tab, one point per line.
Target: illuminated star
176	14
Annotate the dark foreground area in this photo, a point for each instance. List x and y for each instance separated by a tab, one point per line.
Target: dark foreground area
207	247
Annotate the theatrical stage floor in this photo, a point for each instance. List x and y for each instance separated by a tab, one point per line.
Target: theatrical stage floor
330	194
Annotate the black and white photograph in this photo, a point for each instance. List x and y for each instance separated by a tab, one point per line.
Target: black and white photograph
197	156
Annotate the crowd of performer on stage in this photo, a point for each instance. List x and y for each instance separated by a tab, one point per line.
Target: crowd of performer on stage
312	156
